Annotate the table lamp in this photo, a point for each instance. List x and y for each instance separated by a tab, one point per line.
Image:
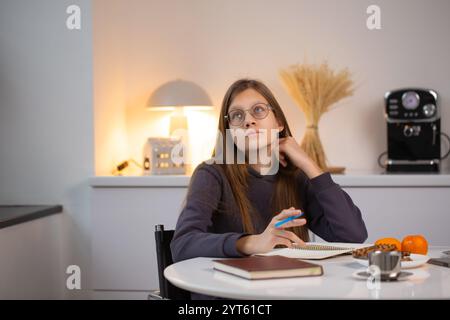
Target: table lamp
177	96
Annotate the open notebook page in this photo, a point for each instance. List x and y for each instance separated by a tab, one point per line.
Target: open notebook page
316	250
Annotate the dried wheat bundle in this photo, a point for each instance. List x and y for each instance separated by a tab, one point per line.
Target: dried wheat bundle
315	89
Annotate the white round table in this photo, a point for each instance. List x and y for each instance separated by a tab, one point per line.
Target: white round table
427	282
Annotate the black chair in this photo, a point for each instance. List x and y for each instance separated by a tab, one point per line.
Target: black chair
164	258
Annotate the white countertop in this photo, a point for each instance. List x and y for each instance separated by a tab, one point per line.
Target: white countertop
353	179
427	282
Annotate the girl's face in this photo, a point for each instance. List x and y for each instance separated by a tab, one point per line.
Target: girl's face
251	121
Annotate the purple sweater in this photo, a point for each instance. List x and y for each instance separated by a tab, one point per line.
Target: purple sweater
209	224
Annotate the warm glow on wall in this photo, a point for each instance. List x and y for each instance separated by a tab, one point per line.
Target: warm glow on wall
123	128
202	135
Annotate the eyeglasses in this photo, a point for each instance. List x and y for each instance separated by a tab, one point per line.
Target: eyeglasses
258	111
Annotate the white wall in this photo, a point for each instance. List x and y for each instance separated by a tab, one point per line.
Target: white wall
46	142
214	42
111	145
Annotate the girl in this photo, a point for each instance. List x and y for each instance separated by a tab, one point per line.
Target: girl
231	209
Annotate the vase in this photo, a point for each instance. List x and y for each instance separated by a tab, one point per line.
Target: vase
313	147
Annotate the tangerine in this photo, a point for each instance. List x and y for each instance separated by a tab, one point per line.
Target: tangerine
415	244
391	241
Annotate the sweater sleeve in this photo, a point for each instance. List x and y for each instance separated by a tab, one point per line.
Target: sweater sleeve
191	238
330	212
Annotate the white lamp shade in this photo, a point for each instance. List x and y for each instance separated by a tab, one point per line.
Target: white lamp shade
179	93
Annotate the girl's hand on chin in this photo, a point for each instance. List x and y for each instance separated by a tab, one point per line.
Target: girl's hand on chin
290	149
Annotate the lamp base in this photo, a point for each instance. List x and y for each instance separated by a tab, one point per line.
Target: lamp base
177	124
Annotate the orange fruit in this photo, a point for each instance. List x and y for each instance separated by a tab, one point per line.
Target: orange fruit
393	241
415	243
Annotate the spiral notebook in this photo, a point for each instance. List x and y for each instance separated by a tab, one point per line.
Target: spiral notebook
316	250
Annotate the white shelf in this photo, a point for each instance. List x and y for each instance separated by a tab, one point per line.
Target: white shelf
347	180
140	181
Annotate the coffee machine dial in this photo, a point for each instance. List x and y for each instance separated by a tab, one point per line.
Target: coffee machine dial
429	110
410	100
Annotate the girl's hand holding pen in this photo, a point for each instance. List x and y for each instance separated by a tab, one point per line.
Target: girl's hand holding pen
281	222
274	234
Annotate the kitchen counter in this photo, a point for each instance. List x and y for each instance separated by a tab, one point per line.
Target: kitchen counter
352	179
16	214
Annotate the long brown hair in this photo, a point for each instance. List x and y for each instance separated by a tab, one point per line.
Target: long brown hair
286	192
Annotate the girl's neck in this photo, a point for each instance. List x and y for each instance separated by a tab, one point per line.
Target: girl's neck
259	167
269	168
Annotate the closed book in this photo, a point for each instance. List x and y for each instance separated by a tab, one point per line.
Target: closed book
270	267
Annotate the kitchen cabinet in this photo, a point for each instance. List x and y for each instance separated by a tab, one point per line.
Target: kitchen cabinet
31	249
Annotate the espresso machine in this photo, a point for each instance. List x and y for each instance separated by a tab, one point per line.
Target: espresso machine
413	131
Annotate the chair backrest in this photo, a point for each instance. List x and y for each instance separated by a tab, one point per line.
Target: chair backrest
164	257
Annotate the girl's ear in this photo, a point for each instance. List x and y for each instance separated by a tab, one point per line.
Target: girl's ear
281	132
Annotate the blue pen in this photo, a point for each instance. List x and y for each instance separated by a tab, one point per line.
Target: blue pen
280	223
